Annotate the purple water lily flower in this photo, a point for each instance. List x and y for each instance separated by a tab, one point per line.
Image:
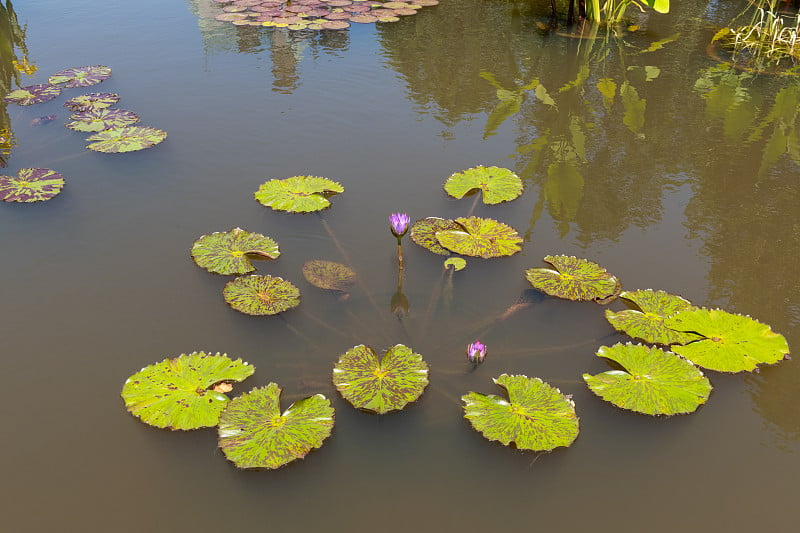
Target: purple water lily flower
476	352
399	224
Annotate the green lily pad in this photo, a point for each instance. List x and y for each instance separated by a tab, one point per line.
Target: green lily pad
481	237
653	382
88	102
497	184
33	94
226	252
329	275
182	392
81	76
102	119
573	279
128	139
732	343
423	232
536	416
31	185
298	194
254	434
380	386
261	295
648	323
458	263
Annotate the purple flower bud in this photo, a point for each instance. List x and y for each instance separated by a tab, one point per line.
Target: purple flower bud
399	224
476	352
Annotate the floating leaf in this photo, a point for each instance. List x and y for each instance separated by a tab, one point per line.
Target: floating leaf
261	295
732	343
31	185
380	386
535	417
102	119
254	434
179	393
573	279
87	102
648	324
81	76
498	184
653	382
298	194
423	232
329	275
226	252
481	237
458	263
33	94
129	139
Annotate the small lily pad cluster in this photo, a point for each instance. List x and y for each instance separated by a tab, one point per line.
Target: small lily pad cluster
316	14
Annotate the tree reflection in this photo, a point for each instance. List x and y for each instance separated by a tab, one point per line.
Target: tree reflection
13	61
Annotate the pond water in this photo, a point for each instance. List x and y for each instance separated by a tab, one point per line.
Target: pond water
686	180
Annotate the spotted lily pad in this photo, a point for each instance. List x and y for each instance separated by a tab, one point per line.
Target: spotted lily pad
128	139
298	194
653	382
181	393
573	279
536	416
226	252
81	76
33	94
481	237
102	119
31	185
380	386
261	295
423	232
458	263
731	343
497	184
253	433
648	323
329	275
88	102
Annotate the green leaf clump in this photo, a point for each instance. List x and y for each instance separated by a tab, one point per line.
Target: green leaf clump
497	184
298	194
647	323
573	279
481	237
226	252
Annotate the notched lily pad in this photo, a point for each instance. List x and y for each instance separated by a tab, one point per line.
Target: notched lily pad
497	184
253	433
481	237
128	139
573	279
33	94
102	119
731	343
329	275
380	386
458	263
261	295
535	417
298	194
653	382
81	76
182	392
88	102
423	232
31	185
226	252
647	324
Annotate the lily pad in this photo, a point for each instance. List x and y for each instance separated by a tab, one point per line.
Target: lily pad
33	94
128	139
731	343
298	194
81	76
481	237
497	184
653	382
329	275
458	263
226	252
180	393
648	323
573	279
88	102
380	386
423	232
261	295
102	119
31	185
536	416
254	434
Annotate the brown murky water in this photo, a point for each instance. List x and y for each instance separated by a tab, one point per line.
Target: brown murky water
686	180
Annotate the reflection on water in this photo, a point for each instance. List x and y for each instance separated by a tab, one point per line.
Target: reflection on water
13	61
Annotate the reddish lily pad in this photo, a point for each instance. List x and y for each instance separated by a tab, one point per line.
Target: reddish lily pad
88	102
81	76
226	252
102	119
261	295
33	94
127	139
31	185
